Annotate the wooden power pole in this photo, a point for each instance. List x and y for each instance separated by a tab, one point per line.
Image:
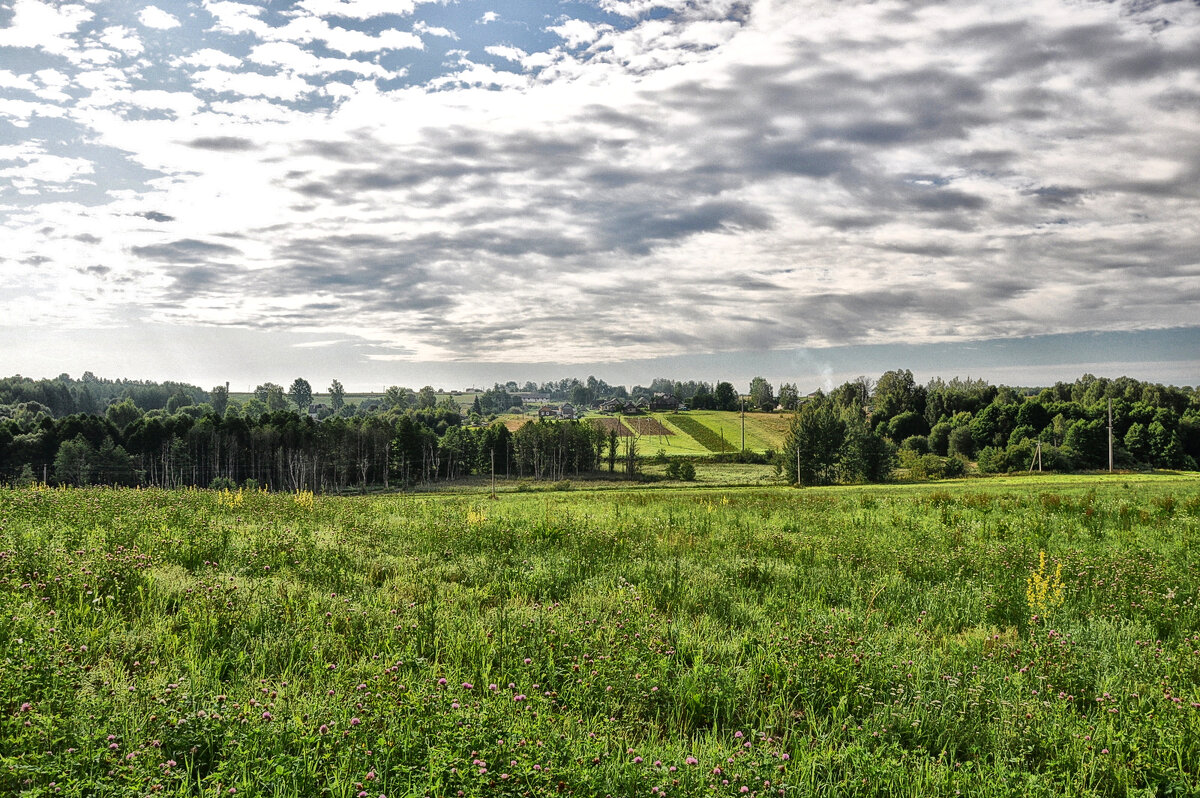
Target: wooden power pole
1110	446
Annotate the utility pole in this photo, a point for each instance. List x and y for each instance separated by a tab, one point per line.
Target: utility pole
743	425
1110	453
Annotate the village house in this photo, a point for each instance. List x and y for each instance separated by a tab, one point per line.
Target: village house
664	401
612	406
567	410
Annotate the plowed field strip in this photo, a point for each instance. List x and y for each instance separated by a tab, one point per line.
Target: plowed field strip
607	425
648	426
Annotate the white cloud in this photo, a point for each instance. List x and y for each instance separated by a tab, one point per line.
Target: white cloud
101	80
239	18
44	25
31	164
472	74
209	57
124	40
236	18
488	16
252	84
296	59
11	80
345	41
155	17
507	52
420	28
20	113
578	32
357	9
690	9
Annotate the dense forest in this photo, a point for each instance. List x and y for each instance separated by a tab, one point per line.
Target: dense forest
128	432
937	428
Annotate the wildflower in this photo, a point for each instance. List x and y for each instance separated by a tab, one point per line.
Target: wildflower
355	721
691	760
1042	591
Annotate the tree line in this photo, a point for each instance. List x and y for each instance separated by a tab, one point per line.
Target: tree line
285	450
863	428
172	434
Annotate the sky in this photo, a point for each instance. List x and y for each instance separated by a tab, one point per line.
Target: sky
453	192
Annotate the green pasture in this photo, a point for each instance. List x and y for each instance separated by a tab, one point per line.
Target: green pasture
763	430
1015	636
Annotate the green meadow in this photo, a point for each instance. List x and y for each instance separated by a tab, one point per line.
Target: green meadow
1008	636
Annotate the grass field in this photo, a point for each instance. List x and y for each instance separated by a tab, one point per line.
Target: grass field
763	430
1035	636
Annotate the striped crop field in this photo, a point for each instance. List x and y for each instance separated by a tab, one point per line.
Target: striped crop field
690	425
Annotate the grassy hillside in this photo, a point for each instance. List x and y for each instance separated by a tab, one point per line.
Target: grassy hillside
763	430
998	637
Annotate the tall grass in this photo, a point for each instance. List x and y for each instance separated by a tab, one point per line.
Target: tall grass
764	642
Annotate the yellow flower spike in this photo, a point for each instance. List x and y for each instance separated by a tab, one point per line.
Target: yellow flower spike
304	499
1043	592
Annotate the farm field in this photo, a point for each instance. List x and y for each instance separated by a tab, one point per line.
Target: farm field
763	430
1008	636
679	431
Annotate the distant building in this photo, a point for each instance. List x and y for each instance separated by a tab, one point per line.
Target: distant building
664	401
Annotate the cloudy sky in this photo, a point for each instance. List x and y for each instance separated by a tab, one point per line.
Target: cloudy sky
456	191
